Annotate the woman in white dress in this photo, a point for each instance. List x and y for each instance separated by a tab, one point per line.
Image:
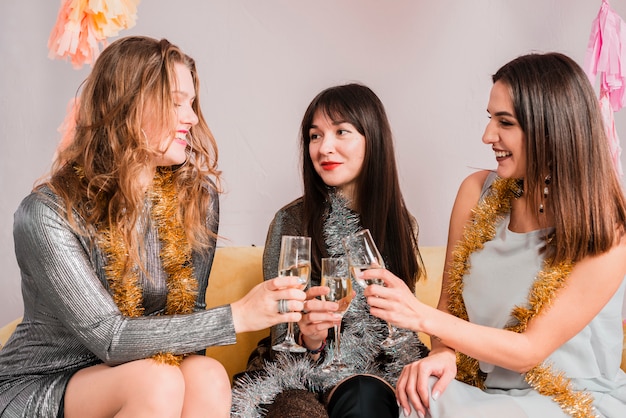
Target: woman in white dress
529	320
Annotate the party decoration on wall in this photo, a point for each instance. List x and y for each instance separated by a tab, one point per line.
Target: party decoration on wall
67	128
83	27
606	54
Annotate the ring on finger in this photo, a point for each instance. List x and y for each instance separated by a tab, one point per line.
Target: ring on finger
282	306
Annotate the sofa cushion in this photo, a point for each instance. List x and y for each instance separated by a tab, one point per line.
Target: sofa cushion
7	330
235	271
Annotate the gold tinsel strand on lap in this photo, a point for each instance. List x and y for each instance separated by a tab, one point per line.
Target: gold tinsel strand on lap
542	378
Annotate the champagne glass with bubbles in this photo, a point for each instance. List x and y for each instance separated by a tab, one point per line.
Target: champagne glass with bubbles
336	275
295	260
364	255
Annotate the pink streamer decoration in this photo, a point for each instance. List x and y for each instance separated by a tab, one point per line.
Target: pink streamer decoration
606	52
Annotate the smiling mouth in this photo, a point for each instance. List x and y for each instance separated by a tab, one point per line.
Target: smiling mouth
181	137
503	154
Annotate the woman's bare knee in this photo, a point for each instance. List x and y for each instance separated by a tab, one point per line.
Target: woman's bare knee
139	388
205	368
207	387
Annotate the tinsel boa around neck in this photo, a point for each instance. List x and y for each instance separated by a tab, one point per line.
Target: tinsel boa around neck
542	377
175	258
362	335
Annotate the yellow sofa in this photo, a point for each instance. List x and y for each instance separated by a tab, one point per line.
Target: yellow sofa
237	269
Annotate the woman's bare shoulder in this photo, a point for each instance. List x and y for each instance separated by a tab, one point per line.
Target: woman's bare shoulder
471	188
476	180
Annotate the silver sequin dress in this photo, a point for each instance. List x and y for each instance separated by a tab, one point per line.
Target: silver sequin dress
70	320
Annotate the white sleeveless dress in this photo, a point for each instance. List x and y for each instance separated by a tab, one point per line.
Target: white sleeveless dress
500	277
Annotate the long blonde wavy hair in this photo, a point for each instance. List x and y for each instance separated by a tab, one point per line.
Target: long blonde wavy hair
96	174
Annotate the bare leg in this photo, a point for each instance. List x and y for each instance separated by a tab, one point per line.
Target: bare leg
207	388
140	388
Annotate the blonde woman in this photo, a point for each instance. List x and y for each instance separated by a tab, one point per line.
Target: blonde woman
115	251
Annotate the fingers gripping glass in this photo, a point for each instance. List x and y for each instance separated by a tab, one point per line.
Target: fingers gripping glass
364	255
336	276
295	260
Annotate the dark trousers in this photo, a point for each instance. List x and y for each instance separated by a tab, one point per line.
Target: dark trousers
363	396
360	396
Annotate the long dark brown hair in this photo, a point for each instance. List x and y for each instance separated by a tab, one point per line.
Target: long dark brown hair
96	175
377	199
559	113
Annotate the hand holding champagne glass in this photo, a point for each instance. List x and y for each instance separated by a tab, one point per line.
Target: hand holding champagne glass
336	276
295	260
364	255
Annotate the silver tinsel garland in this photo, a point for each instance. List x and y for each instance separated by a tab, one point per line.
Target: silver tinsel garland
362	335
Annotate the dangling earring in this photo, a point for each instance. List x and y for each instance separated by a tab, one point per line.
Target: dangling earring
518	188
547	181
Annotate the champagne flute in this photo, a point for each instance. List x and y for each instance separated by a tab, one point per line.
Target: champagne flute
363	255
295	260
336	275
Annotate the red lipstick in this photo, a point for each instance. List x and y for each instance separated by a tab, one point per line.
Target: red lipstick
330	165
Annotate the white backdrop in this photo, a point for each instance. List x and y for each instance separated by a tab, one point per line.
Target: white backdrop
262	61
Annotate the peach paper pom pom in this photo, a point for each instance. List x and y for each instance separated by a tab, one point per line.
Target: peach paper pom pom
84	25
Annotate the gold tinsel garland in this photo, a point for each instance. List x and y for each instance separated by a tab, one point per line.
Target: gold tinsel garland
542	377
175	258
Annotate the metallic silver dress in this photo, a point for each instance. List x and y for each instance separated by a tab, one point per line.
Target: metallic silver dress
70	320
